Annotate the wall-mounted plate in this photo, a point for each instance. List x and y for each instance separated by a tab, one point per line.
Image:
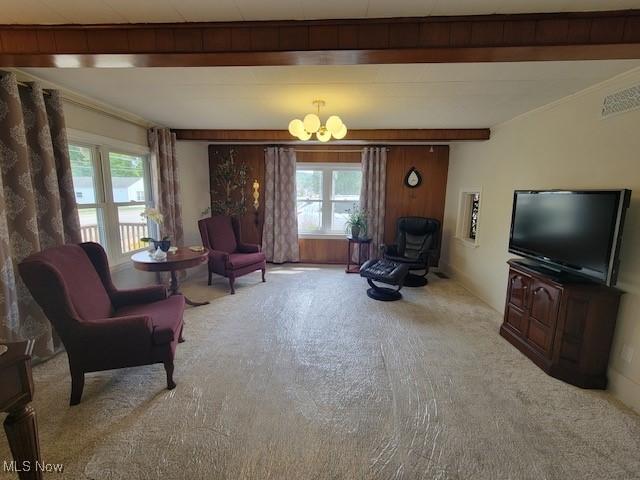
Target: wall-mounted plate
413	178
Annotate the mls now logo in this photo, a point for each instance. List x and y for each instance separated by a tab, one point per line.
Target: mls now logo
27	466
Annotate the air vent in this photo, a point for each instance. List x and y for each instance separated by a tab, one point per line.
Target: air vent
622	101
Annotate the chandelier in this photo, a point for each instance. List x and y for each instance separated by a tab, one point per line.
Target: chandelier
304	129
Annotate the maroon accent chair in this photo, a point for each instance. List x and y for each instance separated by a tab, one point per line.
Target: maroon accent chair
228	256
101	327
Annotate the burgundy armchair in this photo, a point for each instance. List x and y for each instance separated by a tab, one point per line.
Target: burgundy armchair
101	327
228	256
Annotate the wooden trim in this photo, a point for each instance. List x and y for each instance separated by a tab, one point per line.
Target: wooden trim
272	136
481	38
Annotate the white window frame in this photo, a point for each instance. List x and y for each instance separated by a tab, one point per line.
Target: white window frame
106	207
464	216
326	200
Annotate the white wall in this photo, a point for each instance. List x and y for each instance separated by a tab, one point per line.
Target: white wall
92	121
563	145
193	165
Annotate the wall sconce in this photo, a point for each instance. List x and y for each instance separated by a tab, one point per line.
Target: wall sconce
256	194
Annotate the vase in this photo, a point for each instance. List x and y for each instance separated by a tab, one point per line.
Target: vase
164	245
355	231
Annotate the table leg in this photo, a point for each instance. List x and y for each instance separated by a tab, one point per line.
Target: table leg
22	432
174	288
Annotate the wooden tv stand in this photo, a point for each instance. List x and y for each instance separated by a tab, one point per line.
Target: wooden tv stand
564	325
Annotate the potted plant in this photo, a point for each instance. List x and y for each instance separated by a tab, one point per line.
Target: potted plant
356	221
155	216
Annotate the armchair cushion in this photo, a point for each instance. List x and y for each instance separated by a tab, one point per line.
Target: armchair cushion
165	317
153	293
77	280
248	248
240	260
416	241
218	234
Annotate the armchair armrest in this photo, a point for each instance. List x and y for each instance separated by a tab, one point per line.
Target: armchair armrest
136	296
218	261
248	248
112	343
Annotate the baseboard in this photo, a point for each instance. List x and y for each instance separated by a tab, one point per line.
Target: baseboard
624	389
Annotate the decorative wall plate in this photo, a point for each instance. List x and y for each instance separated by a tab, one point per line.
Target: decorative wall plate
413	178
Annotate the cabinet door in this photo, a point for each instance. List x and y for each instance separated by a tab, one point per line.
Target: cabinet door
543	315
518	288
517	319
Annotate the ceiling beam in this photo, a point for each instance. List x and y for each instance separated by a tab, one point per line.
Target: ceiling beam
373	135
480	38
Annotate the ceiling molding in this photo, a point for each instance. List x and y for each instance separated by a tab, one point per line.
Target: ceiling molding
373	135
481	38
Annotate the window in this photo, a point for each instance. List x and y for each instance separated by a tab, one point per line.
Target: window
468	216
112	190
325	192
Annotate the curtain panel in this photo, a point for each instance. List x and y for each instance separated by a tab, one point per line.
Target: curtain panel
37	202
372	194
164	168
280	231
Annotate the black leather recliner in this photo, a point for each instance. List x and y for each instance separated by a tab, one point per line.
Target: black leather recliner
417	242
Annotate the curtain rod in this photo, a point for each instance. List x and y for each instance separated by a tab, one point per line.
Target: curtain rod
310	150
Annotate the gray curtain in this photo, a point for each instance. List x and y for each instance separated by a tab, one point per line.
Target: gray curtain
372	194
166	180
37	203
280	231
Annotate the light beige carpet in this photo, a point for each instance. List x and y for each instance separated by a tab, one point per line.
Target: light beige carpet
305	377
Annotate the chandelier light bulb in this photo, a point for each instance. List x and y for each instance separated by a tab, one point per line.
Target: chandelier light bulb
323	135
340	134
334	123
311	123
296	127
304	135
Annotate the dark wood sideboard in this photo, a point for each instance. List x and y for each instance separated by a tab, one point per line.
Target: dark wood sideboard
564	325
16	393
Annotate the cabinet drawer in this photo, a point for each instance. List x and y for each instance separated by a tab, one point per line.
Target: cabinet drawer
518	288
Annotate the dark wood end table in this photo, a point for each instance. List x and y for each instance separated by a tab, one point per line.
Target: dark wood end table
181	259
16	393
364	247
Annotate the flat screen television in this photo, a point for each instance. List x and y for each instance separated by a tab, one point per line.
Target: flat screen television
577	232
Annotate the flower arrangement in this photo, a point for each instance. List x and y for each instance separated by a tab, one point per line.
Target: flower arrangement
155	216
356	221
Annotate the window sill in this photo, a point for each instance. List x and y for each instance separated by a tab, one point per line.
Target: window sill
467	242
322	236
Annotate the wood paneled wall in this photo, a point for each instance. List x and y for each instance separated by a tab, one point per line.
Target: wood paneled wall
426	200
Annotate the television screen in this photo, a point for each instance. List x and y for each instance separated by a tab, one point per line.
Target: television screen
575	231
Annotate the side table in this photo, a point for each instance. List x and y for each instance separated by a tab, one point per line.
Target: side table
364	247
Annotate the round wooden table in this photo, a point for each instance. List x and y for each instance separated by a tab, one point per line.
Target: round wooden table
181	259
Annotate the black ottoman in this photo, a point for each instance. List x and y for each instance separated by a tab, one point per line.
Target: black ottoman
384	271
